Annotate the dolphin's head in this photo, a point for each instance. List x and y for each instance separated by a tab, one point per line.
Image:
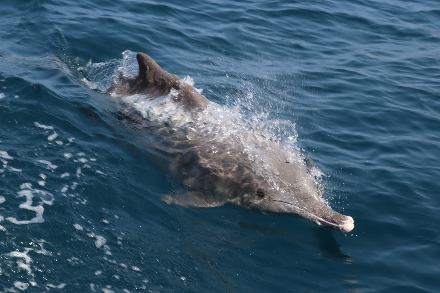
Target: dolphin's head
304	203
293	191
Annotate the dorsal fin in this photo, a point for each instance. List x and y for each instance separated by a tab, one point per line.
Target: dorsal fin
153	78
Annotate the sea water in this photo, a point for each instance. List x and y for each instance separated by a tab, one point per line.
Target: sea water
353	84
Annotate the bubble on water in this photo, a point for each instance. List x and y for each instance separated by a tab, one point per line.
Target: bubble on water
52	137
15	169
45	127
20	285
136	269
83	160
26	185
67	155
5	155
78	172
60	286
48	164
24	260
66	174
29	193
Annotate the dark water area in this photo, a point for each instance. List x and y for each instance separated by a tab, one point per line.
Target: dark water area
354	83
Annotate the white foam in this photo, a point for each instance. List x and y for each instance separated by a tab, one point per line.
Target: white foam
136	269
2	200
5	155
42	250
67	155
52	137
64	189
48	164
20	285
100	241
59	142
65	175
28	206
78	227
60	286
41	183
2	96
45	198
45	127
83	160
26	186
78	172
15	169
24	266
23	255
75	261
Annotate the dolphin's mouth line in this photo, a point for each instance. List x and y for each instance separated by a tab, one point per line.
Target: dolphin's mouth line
313	215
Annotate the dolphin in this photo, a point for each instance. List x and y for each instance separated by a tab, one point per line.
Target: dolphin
219	165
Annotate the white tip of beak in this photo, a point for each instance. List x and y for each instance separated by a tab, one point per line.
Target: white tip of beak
348	225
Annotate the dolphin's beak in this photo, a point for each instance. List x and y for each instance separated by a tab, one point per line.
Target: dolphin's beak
320	214
346	224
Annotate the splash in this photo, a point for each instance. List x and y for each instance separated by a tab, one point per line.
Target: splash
243	125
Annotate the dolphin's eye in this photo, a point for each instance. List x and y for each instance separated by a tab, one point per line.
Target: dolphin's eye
260	193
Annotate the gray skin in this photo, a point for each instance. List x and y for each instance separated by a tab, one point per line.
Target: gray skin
278	183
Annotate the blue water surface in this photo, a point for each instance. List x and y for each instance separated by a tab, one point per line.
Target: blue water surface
356	83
